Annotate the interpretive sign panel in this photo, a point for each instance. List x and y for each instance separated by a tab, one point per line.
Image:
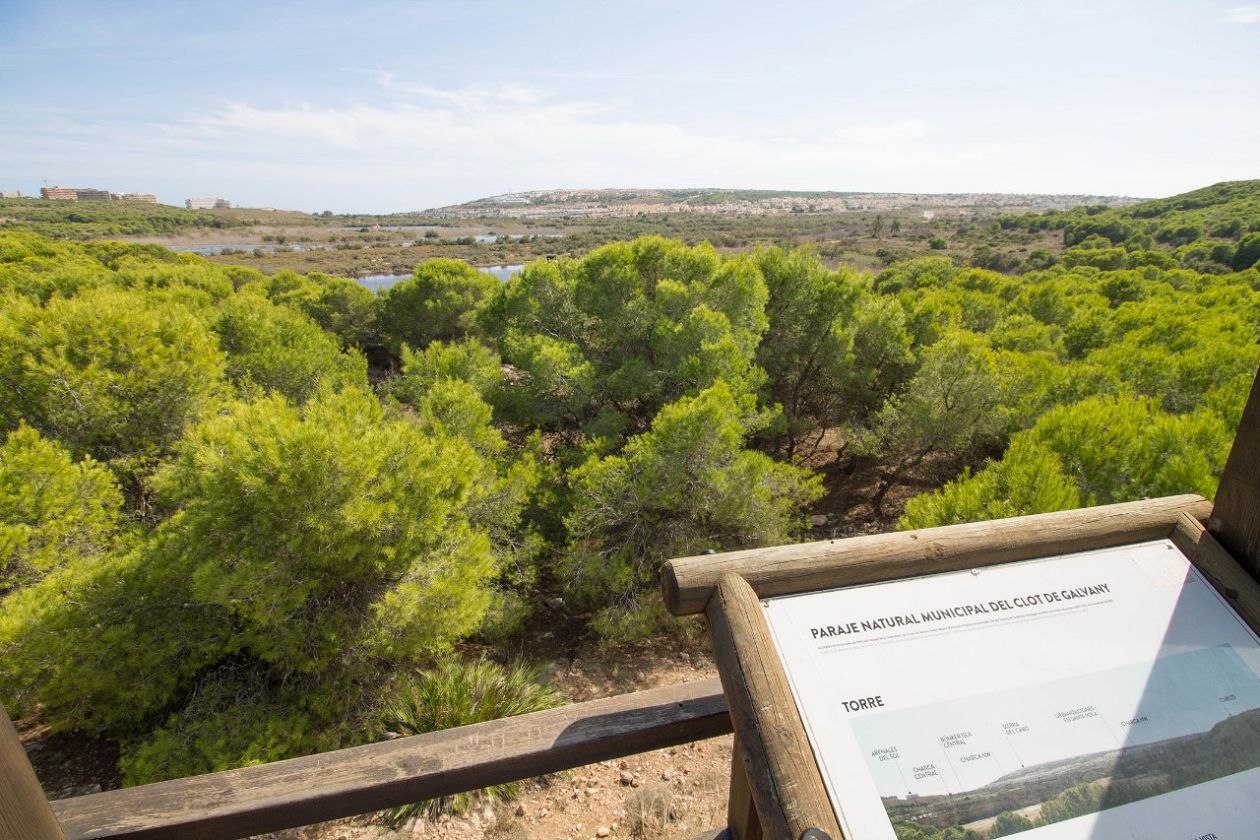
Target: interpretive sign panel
1108	694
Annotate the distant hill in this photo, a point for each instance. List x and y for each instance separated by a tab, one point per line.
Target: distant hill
605	202
1215	229
1231	194
101	219
1227	211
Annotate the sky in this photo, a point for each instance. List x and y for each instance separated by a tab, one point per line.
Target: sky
387	106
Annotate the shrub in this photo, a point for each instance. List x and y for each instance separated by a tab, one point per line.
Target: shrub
1076	801
435	304
1028	479
962	401
465	361
686	485
345	308
807	352
331	527
1097	451
1008	822
626	330
110	373
53	510
274	348
312	550
1247	253
102	645
459	694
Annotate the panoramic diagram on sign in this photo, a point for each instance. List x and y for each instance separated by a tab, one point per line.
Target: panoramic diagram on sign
1106	694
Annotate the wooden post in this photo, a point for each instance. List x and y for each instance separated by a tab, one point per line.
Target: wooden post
1236	517
741	812
24	810
1216	564
785	782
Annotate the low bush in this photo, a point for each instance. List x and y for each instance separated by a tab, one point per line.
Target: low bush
458	694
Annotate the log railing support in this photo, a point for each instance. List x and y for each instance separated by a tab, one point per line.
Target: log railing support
24	810
1235	519
770	741
741	812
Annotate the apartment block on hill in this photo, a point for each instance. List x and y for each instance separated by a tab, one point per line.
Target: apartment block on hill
207	204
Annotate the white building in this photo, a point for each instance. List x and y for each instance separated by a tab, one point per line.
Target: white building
207	204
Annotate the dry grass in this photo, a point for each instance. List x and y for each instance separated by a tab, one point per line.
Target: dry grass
506	826
650	811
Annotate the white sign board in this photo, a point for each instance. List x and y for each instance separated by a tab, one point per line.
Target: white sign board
1109	694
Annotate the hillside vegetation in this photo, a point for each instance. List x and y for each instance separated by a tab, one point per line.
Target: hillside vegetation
223	542
99	219
604	201
865	230
1213	230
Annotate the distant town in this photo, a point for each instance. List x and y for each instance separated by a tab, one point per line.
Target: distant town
569	203
622	203
93	194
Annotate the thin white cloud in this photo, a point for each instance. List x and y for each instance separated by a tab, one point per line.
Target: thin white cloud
541	142
470	96
1243	14
883	132
423	146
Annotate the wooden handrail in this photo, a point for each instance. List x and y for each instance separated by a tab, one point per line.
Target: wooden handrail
342	783
689	582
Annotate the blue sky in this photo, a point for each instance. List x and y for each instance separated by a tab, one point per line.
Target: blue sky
382	106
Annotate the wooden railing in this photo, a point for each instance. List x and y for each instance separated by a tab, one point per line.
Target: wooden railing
301	791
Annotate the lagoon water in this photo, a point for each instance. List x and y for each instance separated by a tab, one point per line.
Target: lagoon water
213	250
377	282
503	272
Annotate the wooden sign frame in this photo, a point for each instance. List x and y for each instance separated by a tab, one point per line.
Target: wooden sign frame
777	788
